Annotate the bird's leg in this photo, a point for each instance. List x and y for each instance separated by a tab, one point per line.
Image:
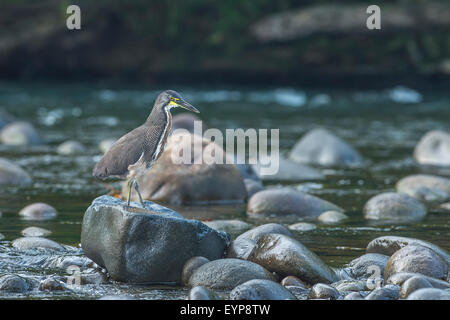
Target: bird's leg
136	186
130	185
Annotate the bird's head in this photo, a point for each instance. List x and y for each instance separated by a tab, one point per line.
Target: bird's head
171	98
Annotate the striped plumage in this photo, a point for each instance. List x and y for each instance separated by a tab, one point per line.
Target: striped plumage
137	150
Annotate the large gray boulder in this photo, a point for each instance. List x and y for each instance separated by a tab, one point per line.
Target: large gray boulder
392	206
287	202
20	133
11	174
152	245
433	149
425	187
321	147
179	183
287	257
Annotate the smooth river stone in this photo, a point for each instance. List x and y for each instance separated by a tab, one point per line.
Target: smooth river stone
331	217
321	147
288	257
302	226
364	266
323	291
38	211
28	243
230	226
202	293
227	274
388	292
417	259
190	266
20	133
12	174
35	232
429	294
263	229
392	206
425	187
287	202
433	148
71	148
413	284
400	278
259	289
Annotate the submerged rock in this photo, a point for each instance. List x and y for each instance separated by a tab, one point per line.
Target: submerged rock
388	292
13	283
417	259
433	149
20	133
38	211
71	147
167	181
137	245
285	202
331	217
28	243
11	174
286	256
389	244
430	294
425	187
323	291
413	284
364	266
392	206
321	147
302	226
259	289
190	266
227	274
289	170
201	293
35	232
230	226
263	229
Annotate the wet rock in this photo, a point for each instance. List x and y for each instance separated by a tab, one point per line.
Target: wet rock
51	284
201	293
302	226
354	296
27	243
417	259
137	245
117	297
67	261
292	281
186	121
425	187
190	266
332	217
167	181
413	284
433	149
252	186
35	232
263	229
392	206
321	147
13	283
389	244
400	278
323	291
261	290
429	294
286	256
230	226
20	133
367	264
11	174
388	292
71	148
38	211
106	144
299	292
289	171
284	202
227	274
350	285
240	248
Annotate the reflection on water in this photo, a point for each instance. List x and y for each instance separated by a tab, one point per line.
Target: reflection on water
384	126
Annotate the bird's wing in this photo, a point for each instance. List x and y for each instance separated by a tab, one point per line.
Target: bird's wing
125	151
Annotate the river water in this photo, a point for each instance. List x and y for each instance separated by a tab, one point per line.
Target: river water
384	125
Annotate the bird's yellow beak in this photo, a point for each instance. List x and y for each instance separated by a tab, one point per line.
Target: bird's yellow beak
183	104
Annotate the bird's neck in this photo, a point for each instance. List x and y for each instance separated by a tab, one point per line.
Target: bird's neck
159	115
